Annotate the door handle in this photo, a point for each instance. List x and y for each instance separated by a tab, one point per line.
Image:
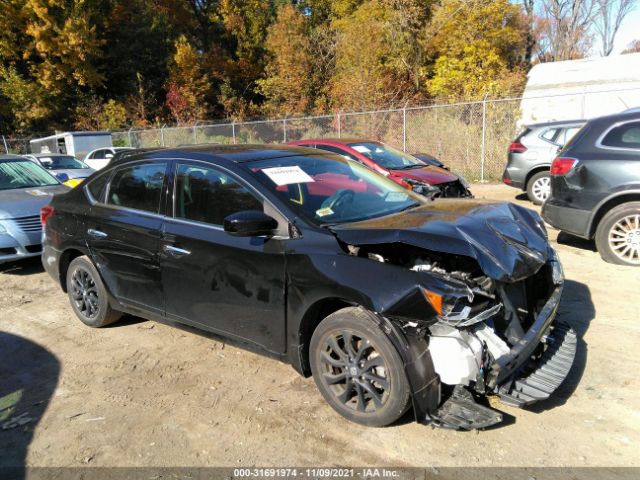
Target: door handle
175	251
96	233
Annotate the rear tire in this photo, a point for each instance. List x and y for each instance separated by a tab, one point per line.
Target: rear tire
539	187
358	370
618	235
88	295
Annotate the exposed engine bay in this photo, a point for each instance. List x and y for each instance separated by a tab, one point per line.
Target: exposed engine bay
485	336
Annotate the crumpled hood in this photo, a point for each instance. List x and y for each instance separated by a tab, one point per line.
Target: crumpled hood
507	241
428	174
24	202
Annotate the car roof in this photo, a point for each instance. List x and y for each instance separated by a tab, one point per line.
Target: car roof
47	155
232	153
338	141
556	123
615	118
9	156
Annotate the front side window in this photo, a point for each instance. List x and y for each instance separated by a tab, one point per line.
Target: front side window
330	190
138	186
97	185
24	174
624	136
204	194
387	157
98	155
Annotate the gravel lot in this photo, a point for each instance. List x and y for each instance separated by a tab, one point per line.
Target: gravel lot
142	393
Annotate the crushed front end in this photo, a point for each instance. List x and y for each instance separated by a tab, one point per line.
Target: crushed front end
487	337
476	306
507	343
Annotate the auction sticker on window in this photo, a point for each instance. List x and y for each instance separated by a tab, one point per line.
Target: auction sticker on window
287	175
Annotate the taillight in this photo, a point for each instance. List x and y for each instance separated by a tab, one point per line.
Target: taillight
46	213
561	166
517	147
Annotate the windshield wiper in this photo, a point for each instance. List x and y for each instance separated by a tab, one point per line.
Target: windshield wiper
408	167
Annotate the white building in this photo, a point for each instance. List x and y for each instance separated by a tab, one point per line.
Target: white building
581	88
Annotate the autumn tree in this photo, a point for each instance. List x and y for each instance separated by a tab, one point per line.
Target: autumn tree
188	84
478	46
633	47
287	86
378	59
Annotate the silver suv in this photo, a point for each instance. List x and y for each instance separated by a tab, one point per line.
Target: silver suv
531	154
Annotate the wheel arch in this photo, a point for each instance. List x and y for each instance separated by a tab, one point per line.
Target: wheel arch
537	169
68	256
608	204
312	317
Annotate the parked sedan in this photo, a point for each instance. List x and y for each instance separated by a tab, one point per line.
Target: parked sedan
100	157
62	166
595	190
531	154
391	301
402	168
24	188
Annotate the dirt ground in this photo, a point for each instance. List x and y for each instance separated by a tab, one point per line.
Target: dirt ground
141	393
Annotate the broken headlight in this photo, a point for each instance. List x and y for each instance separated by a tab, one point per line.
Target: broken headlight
422	188
461	310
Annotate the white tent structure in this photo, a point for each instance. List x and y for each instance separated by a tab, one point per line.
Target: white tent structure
585	88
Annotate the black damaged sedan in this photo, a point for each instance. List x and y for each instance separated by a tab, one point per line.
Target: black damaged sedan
389	300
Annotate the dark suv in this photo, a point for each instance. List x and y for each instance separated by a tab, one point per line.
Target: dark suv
390	300
531	154
595	187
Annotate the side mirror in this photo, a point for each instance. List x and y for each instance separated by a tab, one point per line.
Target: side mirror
62	177
249	223
108	156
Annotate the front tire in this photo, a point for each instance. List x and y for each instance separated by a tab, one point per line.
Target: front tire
358	370
539	187
88	295
618	235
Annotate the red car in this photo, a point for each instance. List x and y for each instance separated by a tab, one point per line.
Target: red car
400	167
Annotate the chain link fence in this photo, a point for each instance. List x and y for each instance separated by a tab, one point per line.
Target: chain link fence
470	137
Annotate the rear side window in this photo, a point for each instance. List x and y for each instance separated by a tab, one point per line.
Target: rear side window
624	136
96	187
208	195
549	134
566	134
138	186
339	151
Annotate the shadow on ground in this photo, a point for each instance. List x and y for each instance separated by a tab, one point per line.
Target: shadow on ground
565	238
28	266
576	309
29	376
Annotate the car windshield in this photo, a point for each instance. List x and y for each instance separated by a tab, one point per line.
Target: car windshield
387	157
24	174
62	162
328	190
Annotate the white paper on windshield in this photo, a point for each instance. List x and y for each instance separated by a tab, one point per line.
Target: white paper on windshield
287	175
361	149
323	212
396	197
